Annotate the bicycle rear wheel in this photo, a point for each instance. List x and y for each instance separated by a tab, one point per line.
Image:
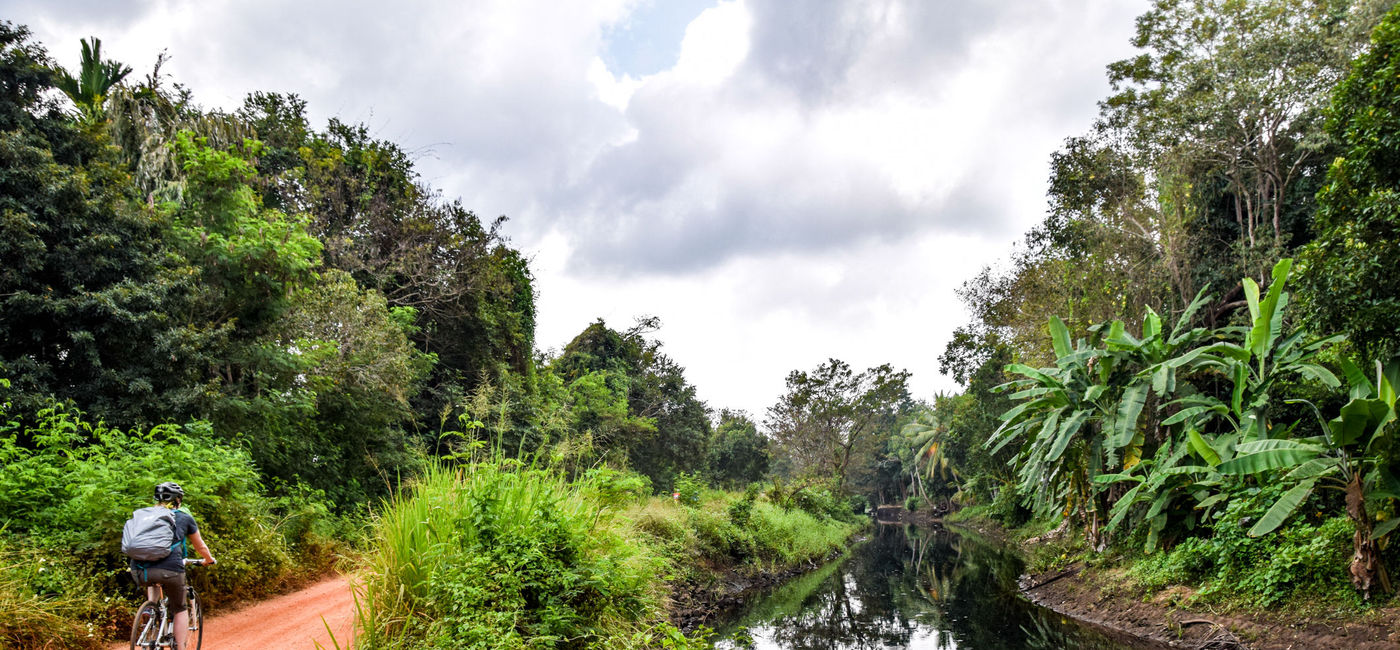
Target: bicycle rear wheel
145	629
196	610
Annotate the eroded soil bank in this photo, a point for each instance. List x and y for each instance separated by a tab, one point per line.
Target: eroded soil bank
1099	599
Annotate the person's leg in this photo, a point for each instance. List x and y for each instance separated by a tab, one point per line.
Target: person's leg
174	585
181	621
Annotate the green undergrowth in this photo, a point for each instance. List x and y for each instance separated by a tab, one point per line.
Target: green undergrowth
504	555
1301	568
69	484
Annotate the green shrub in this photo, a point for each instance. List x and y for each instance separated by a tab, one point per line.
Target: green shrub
742	509
913	503
1300	561
1006	508
69	485
690	487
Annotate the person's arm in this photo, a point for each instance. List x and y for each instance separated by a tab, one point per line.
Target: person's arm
198	543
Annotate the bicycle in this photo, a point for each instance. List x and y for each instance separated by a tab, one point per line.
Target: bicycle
152	629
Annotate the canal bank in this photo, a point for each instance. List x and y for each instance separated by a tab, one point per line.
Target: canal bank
1103	597
1108	597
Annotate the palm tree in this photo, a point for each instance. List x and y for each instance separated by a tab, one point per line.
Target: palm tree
924	439
95	78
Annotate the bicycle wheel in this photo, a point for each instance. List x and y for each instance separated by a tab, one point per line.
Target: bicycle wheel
196	636
145	629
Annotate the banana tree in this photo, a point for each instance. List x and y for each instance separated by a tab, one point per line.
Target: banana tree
1165	481
1088	414
1259	358
1129	420
1059	425
1354	453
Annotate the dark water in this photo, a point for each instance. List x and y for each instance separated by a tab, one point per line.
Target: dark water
908	588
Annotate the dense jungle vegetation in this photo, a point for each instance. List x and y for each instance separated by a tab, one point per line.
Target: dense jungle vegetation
1187	368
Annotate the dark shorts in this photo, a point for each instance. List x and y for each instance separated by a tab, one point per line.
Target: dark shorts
171	582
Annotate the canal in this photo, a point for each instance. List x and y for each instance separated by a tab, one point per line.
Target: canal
909	587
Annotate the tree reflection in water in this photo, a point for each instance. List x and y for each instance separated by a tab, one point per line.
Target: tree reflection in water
908	587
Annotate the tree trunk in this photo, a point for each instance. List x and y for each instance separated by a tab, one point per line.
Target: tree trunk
1367	572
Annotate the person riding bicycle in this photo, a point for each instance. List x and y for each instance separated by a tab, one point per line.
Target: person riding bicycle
169	573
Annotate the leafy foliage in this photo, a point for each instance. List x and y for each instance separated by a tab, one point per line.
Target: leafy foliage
1349	270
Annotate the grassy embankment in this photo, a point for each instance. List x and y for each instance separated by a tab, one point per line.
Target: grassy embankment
500	555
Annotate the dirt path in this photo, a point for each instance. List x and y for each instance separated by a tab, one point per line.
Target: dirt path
293	621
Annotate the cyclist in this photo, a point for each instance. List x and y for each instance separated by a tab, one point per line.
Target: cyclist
169	573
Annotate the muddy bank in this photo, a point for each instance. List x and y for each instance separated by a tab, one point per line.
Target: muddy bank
1100	599
726	588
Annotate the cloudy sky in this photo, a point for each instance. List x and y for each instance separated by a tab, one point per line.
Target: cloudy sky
778	181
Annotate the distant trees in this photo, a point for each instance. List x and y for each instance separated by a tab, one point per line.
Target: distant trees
738	454
833	414
634	401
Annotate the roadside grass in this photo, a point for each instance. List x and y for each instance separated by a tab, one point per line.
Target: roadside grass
33	617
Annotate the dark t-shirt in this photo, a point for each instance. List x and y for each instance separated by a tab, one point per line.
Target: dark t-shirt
184	527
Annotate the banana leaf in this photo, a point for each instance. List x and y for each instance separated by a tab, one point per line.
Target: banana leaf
1202	448
1282	508
1059	337
1129	407
1253	457
1384	527
1067	431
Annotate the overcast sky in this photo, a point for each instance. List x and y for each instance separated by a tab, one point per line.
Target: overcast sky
778	181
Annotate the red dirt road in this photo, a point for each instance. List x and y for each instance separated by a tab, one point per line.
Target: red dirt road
292	621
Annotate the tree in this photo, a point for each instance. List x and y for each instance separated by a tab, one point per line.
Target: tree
1348	274
664	427
92	304
738	453
95	79
378	222
833	414
324	396
1238	88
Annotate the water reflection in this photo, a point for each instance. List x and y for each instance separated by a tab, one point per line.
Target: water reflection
908	588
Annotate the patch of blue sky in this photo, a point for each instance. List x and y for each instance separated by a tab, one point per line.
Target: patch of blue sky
648	40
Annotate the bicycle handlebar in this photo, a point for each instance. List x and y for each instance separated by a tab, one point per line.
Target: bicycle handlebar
195	562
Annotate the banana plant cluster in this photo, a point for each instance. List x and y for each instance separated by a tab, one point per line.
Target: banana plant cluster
1088	415
1144	425
1202	430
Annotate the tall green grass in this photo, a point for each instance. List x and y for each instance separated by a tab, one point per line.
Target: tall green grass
501	555
496	555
